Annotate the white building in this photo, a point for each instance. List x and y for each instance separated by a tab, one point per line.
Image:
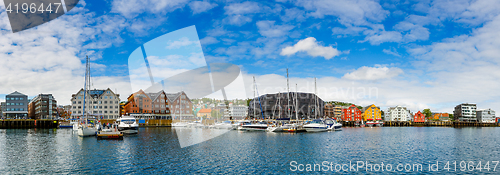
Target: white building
486	115
238	111
397	113
465	112
103	104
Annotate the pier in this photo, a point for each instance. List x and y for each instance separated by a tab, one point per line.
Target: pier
439	124
27	123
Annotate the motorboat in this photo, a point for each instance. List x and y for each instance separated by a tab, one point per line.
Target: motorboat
238	125
333	125
316	125
127	125
259	126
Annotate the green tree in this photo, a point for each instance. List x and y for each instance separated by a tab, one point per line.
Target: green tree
451	116
427	113
248	102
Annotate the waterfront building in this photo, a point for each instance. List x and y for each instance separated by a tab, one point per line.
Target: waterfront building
147	105
16	105
465	112
352	113
486	116
441	116
329	110
43	106
122	108
337	112
206	113
64	111
397	113
3	106
103	104
309	106
180	105
237	112
371	113
419	117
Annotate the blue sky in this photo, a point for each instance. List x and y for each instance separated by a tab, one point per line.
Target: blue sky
419	54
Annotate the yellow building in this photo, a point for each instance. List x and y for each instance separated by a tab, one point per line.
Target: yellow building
371	113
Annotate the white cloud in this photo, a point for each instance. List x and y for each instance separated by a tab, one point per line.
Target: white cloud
180	43
208	40
373	73
312	48
241	13
48	58
391	51
384	36
269	29
201	6
348	12
132	8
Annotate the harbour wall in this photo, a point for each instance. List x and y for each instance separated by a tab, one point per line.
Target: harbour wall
27	123
429	124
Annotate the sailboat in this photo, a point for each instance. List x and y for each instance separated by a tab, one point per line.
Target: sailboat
317	125
258	126
86	129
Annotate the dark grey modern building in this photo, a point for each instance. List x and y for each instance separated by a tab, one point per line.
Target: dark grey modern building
16	105
309	106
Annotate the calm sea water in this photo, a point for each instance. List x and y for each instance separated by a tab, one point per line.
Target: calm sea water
156	150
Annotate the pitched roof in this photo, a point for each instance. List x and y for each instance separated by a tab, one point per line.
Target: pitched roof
205	111
16	93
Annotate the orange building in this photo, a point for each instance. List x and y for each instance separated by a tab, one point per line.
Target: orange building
439	116
419	117
352	113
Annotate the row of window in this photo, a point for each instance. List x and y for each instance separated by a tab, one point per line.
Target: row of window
97	102
96	112
95	107
16	98
18	104
15	109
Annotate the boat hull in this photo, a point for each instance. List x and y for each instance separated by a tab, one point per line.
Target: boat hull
85	132
128	130
315	129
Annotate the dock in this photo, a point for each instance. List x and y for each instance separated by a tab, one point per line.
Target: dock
27	123
455	124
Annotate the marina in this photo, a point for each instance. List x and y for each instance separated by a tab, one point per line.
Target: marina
156	149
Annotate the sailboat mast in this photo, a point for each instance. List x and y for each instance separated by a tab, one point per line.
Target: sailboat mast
288	94
315	100
296	104
254	97
279	104
87	67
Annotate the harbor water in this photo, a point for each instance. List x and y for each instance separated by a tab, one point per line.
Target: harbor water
157	151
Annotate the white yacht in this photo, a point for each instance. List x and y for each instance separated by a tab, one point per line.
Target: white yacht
333	125
260	126
85	131
316	125
86	128
127	125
